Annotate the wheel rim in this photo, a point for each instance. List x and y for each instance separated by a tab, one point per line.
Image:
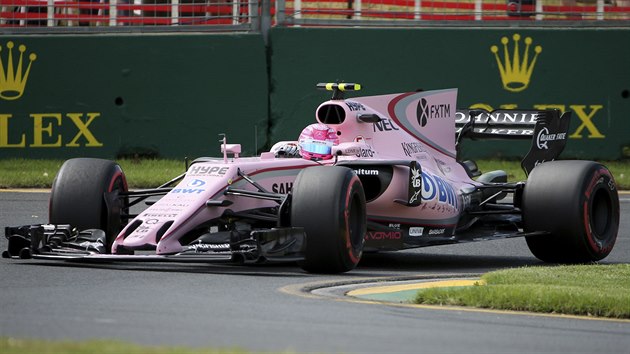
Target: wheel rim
601	211
355	220
119	185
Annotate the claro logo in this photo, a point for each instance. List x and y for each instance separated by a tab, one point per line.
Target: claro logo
13	79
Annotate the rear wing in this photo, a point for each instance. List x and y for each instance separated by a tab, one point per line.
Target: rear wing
547	129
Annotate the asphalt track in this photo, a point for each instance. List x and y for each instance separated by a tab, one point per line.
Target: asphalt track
280	307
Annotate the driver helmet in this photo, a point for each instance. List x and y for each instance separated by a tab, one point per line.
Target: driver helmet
316	142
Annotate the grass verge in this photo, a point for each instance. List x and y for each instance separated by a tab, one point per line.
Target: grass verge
589	290
26	173
28	346
619	169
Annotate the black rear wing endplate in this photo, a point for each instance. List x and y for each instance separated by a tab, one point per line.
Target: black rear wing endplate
549	139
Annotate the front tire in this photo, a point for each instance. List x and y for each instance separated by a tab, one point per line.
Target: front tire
329	203
83	195
578	204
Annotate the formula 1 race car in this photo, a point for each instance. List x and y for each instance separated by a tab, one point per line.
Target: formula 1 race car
373	173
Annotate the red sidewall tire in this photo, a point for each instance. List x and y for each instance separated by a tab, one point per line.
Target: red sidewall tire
578	204
77	195
329	203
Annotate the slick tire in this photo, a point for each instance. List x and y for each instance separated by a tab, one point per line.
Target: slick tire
329	203
578	204
80	193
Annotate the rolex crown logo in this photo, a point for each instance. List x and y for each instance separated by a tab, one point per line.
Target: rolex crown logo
12	79
516	70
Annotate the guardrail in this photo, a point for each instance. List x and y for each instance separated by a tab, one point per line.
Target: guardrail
251	14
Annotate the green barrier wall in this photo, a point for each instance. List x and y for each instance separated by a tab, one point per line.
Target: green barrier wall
112	95
583	70
170	95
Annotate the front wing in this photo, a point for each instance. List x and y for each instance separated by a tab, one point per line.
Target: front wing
63	242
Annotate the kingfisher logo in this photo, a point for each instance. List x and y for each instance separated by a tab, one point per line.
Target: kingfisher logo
13	79
426	111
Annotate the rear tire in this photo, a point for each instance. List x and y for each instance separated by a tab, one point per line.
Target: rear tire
329	203
577	202
78	196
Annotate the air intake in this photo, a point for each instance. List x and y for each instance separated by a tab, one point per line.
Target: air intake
331	114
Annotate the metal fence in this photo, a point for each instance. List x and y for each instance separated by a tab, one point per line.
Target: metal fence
256	14
405	12
112	13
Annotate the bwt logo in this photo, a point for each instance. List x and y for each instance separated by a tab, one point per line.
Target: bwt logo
187	191
438	189
196	183
425	111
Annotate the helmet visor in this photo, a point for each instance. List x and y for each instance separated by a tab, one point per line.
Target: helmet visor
316	146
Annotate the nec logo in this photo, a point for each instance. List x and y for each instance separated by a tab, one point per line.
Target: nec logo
425	111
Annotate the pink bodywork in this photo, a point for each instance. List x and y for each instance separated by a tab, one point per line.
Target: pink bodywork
416	126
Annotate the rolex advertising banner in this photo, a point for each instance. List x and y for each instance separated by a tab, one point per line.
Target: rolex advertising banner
108	96
170	95
585	71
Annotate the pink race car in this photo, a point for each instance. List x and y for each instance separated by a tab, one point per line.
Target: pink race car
373	173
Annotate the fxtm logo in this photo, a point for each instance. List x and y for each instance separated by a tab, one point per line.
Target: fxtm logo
424	111
12	79
516	71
